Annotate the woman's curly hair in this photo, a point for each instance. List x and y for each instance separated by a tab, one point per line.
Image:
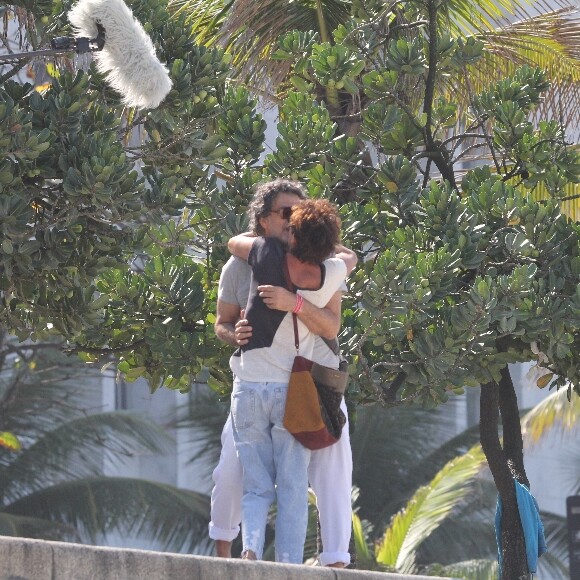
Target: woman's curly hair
316	228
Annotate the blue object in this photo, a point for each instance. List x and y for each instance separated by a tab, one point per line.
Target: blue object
531	525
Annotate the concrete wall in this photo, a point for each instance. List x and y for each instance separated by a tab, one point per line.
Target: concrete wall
23	559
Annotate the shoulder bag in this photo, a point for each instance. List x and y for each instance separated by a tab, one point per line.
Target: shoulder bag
313	414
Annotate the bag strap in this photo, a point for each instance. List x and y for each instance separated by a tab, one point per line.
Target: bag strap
332	344
292	288
296	339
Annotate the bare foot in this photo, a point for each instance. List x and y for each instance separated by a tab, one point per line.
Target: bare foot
249	555
336	565
223	549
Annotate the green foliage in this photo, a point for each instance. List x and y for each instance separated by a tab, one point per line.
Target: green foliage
406	57
463	271
155	306
241	130
305	136
427	509
413	505
295	43
85	186
393	130
336	67
449	329
113	222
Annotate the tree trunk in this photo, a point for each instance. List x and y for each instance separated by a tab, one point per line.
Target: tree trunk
505	464
513	444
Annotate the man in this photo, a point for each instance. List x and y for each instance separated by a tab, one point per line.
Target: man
330	470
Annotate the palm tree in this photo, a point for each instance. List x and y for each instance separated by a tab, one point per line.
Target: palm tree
425	511
512	34
54	487
250	30
558	411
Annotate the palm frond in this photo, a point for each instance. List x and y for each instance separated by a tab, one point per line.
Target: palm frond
555	411
428	507
203	421
249	29
465	16
554	563
469	534
550	41
78	448
569	470
206	17
43	389
170	517
254	26
469	570
386	445
424	470
33	527
364	556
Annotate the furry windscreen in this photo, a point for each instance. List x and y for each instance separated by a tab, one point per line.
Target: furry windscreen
128	58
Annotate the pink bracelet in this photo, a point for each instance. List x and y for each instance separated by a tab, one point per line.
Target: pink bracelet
299	304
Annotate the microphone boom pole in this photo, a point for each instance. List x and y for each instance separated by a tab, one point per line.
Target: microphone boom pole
61	45
8	58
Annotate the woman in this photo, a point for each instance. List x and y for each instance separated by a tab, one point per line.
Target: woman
275	464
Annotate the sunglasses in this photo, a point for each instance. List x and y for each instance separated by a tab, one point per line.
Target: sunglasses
283	212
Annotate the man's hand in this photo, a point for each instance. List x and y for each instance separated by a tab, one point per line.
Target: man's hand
277	298
226	317
242	330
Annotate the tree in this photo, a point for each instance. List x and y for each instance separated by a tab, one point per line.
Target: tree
424	499
466	270
87	185
51	479
461	279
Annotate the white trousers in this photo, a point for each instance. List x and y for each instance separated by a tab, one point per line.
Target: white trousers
329	474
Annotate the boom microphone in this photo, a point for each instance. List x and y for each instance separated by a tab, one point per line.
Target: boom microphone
127	58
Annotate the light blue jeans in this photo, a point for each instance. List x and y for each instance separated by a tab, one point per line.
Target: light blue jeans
275	466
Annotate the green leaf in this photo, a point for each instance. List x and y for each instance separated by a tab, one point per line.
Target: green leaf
427	509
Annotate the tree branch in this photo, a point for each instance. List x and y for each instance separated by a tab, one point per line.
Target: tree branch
104	350
441	159
390	392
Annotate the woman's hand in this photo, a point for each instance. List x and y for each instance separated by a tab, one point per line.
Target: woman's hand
277	298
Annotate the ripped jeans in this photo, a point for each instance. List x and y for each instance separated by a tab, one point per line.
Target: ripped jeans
275	467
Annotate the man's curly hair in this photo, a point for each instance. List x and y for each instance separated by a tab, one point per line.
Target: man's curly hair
316	228
263	200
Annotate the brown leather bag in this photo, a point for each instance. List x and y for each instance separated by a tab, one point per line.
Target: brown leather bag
313	414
